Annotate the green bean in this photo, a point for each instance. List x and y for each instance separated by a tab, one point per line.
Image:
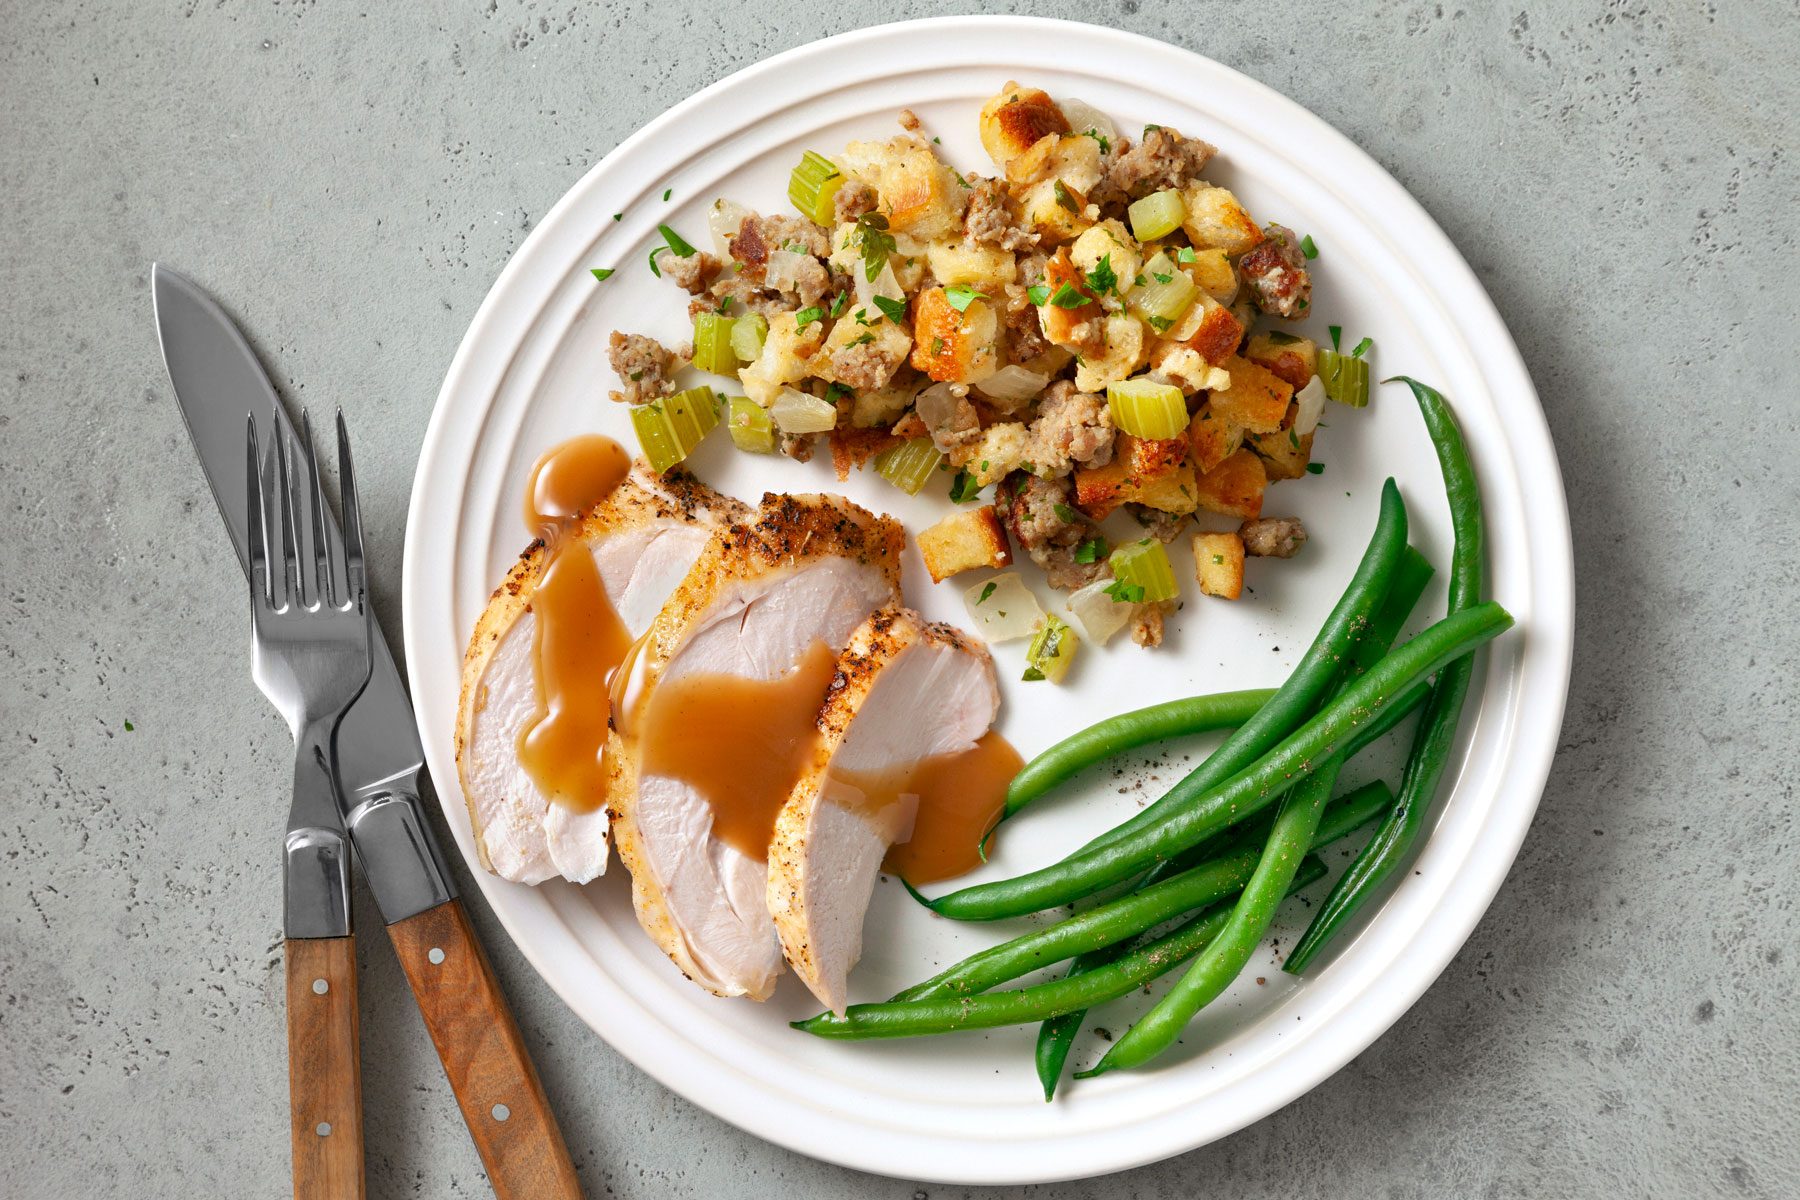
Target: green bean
1199	813
1127	731
1056	1037
1309	683
1436	736
1021	1006
1144	909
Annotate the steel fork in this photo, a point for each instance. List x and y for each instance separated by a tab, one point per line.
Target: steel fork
311	656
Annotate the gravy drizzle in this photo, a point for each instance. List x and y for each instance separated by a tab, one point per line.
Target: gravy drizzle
958	797
577	640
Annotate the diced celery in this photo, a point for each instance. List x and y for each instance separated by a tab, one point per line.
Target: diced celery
1346	377
813	188
1147	409
797	412
1051	651
670	428
1143	573
712	344
1156	215
1165	295
751	426
908	465
747	335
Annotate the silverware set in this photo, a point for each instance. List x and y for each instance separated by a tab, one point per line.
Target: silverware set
321	660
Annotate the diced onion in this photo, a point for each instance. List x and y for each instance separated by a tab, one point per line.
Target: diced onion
884	285
797	412
937	404
782	272
1083	116
1096	614
1003	608
1013	383
1310	405
723	222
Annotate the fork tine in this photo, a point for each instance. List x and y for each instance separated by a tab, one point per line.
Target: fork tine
324	581
355	581
258	540
290	521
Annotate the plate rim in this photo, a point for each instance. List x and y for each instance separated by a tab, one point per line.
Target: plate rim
1551	647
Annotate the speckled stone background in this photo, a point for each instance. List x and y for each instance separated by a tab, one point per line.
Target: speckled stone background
350	179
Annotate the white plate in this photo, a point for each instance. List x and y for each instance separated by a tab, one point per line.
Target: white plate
532	371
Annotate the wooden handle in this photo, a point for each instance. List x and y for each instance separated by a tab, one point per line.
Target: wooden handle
324	1069
484	1055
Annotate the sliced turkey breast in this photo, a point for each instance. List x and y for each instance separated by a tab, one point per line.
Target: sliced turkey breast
754	610
905	692
643	537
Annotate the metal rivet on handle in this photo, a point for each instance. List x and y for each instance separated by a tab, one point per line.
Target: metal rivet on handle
323	1129
435	955
501	1112
320	987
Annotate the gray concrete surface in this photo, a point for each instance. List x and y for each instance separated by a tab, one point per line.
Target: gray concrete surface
351	178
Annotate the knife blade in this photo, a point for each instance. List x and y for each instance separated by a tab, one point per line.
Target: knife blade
217	379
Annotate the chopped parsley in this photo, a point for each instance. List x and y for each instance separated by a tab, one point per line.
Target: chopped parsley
1336	332
1105	146
862	339
618	216
1308	247
961	295
1278	338
676	245
602	273
1362	347
837	391
1103	279
1149	129
129	727
1065	198
1219	559
1185	255
1161	278
1125	593
807	316
937	345
1032	675
963	488
838	302
1091	551
1065	514
667	192
875	243
1038	294
986	592
1068	297
1160	324
1317	469
893	310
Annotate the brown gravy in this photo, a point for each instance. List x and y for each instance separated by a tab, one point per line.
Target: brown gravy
578	639
960	796
741	743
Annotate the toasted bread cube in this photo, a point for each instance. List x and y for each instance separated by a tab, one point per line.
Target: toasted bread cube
1142	471
1109	240
1234	487
1209	329
1121	353
963	541
1079	328
1071	158
786	358
999	452
1212	270
1216	221
951	346
1284	452
1186	369
1016	119
957	260
1257	400
1219	564
1044	210
920	194
1294	359
1212	439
